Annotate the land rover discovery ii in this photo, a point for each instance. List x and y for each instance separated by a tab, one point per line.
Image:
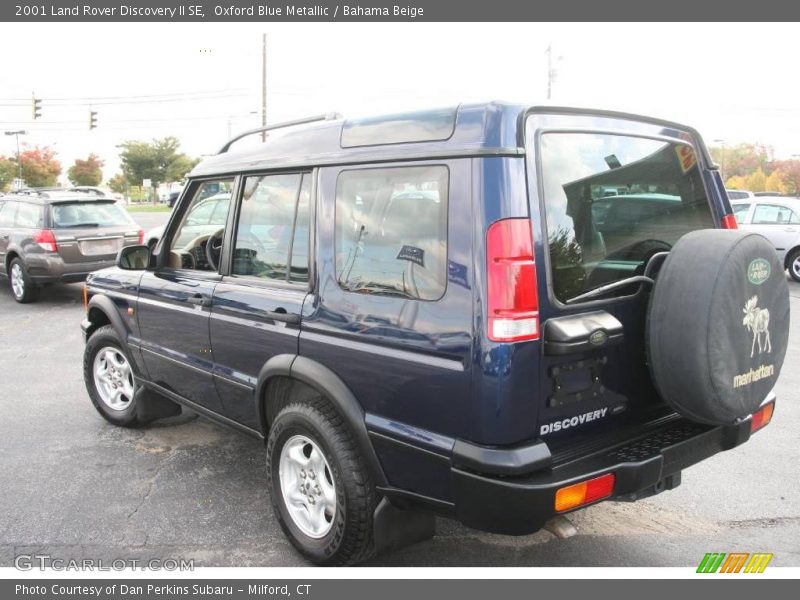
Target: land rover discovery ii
495	313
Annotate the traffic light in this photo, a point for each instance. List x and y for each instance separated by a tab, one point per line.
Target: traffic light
92	119
36	108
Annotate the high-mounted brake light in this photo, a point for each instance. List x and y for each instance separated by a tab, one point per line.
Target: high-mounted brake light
585	492
46	240
513	301
729	222
762	417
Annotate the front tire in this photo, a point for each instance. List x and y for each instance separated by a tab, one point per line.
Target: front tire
794	265
109	378
22	287
320	488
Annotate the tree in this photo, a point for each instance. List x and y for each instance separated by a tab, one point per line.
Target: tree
790	174
775	183
86	172
8	172
757	181
40	167
159	161
743	159
737	182
118	183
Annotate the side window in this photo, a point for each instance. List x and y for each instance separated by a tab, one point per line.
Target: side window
795	219
272	231
740	212
772	214
391	231
197	242
29	216
7	214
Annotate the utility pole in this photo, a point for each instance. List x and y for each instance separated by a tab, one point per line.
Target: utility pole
19	163
549	53
264	85
552	72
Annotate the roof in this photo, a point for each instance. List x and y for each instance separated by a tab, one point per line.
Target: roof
491	128
53	197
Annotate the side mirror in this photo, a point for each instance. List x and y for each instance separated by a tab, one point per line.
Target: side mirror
134	258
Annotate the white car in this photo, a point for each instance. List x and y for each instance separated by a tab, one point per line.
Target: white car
778	220
740	195
206	216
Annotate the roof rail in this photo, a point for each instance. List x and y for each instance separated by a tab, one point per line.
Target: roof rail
324	117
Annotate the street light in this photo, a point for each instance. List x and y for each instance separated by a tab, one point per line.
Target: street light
19	163
721	159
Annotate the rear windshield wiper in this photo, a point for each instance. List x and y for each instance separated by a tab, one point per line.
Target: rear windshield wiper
76	225
610	287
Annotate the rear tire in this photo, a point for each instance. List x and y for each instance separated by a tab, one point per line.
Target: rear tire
23	288
794	264
320	488
109	378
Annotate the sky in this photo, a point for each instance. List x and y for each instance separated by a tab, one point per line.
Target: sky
200	82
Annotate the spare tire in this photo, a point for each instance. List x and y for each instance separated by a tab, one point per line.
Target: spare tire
718	325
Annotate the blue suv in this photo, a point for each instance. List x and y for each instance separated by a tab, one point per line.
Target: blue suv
494	313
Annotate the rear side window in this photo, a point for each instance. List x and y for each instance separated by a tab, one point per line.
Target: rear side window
740	212
273	231
88	214
595	238
391	231
29	216
773	214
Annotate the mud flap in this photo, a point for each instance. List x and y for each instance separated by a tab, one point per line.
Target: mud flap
151	406
395	528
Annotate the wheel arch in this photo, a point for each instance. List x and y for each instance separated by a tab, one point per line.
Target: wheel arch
788	256
286	376
102	311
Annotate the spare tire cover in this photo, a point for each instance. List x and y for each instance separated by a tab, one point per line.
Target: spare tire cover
718	325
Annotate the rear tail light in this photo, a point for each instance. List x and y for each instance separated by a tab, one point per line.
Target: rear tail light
141	237
585	492
729	222
46	240
762	417
513	301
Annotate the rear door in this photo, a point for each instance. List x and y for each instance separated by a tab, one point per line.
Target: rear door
90	231
256	308
175	303
593	373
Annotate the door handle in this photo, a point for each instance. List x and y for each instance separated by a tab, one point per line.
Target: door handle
199	300
280	314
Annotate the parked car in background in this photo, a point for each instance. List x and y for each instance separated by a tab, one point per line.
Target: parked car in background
778	220
768	193
739	194
59	238
206	215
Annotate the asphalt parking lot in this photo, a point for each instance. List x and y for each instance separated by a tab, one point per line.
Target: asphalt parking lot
74	486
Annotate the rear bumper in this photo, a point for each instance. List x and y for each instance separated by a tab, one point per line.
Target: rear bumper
51	268
490	499
642	467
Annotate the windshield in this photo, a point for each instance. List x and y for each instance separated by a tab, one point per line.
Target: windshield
89	214
612	202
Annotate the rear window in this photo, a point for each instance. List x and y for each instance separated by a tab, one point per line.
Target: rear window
89	214
735	195
740	212
391	231
596	238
